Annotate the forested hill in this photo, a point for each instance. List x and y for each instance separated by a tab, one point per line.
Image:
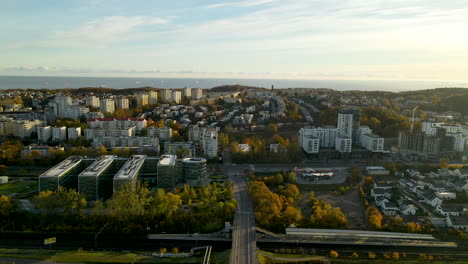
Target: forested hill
440	99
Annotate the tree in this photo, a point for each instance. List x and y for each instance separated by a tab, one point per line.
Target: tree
355	255
183	153
333	254
130	201
371	255
395	256
3	169
5	206
223	140
175	250
271	129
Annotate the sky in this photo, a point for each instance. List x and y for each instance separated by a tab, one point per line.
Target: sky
297	39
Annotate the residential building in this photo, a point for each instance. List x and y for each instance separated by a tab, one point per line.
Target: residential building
44	133
93	101
187	92
122	103
44	151
172	147
153	97
343	144
108	105
142	99
162	133
59	134
176	96
310	144
91	133
197	94
109	123
166	95
74	132
457	222
210	144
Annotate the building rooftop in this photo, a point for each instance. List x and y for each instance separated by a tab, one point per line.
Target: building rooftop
63	167
97	167
131	167
194	160
167	160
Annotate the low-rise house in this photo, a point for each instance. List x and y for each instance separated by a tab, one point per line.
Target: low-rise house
446	195
460	185
375	192
432	199
389	208
383	185
457	222
447	210
408	209
379	200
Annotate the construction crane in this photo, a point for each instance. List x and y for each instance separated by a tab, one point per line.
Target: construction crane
412	120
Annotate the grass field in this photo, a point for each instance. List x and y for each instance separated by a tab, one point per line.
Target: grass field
18	187
80	256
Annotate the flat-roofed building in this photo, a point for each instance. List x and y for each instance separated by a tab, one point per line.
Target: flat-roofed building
74	132
122	103
194	170
166	95
162	133
44	133
128	174
197	94
167	171
64	174
59	134
96	180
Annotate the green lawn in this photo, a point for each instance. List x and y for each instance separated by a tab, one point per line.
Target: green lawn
105	256
18	187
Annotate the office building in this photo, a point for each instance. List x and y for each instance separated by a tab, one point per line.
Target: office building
128	174
96	180
167	171
194	170
64	174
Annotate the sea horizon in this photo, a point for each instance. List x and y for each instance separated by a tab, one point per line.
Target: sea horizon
61	82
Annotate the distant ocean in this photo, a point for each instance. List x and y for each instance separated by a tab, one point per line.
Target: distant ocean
34	82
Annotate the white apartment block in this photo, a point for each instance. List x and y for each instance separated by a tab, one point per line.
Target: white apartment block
343	144
459	141
345	125
59	134
153	97
431	128
61	105
108	105
326	135
44	133
93	101
122	103
210	144
197	94
176	96
361	131
92	133
120	142
74	132
142	99
162	133
310	144
187	92
109	123
166	95
18	128
372	142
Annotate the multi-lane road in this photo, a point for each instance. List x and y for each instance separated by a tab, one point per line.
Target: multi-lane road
244	246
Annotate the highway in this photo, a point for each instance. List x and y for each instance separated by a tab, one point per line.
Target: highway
244	245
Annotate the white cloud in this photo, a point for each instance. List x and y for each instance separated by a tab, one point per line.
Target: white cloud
240	3
102	31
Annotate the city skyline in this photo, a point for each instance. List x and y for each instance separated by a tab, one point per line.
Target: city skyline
392	40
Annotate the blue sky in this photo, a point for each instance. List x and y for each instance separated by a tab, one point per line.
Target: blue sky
300	39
